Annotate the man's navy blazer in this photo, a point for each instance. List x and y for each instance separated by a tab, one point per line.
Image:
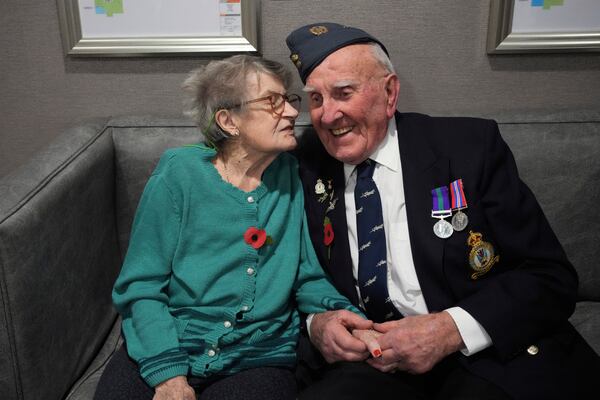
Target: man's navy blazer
525	299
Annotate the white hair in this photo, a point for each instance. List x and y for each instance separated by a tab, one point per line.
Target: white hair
223	84
381	57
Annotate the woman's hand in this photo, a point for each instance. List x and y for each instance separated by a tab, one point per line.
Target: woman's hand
176	388
369	337
330	333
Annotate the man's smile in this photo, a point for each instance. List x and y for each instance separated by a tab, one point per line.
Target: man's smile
341	131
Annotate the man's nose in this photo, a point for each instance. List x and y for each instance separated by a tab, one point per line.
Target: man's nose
330	112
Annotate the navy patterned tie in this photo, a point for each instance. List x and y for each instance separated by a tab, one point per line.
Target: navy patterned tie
372	256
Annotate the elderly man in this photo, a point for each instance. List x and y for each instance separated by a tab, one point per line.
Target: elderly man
424	223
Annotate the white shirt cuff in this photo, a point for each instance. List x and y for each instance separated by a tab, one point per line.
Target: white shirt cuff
473	334
309	318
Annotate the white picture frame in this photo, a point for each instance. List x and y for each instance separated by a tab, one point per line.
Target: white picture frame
126	28
543	26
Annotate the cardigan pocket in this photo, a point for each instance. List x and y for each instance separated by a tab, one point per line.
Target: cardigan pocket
188	341
258	336
180	326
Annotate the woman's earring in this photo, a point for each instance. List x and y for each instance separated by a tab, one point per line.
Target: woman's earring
236	132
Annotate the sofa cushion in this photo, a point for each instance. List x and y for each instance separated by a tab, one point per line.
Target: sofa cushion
139	143
85	387
559	162
586	319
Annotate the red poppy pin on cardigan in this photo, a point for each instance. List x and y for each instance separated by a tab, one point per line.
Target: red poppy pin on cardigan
257	237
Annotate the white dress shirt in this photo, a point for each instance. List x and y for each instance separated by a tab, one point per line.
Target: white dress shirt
403	285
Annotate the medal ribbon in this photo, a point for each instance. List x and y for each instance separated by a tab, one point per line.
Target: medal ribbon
441	201
459	200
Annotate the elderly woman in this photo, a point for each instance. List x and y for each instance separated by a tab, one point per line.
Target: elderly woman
220	260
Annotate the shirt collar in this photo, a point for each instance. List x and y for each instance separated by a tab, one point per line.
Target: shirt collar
386	154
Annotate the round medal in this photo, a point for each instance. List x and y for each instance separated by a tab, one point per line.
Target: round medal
460	221
442	229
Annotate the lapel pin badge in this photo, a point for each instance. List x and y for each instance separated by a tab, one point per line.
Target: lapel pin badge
481	256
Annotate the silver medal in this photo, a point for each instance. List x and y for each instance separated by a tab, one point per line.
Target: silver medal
460	221
443	229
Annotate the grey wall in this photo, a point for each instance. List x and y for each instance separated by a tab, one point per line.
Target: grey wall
438	47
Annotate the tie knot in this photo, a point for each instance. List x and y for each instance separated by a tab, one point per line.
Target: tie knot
365	169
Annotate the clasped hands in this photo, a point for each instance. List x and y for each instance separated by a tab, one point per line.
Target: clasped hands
413	344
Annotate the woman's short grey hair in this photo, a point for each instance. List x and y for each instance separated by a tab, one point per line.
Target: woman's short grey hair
223	84
382	58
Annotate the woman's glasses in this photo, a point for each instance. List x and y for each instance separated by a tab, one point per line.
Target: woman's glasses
277	101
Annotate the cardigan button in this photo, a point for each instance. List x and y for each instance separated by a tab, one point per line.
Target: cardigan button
250	199
227	324
211	353
250	271
245	308
533	350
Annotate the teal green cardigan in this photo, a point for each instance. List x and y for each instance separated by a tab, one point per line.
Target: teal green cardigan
194	296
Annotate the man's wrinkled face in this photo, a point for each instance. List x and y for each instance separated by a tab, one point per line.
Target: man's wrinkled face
351	98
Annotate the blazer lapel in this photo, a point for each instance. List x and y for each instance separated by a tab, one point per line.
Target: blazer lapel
423	171
336	260
340	262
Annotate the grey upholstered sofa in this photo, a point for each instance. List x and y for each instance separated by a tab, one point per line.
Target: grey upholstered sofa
65	220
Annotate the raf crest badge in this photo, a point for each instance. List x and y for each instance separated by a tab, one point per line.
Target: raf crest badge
318	30
481	256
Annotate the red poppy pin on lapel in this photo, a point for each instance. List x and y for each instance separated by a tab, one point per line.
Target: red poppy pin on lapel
326	193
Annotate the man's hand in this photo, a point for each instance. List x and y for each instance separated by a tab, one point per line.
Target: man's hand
416	344
330	333
176	388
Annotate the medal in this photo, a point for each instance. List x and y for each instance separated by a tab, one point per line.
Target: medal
442	229
441	209
460	221
459	202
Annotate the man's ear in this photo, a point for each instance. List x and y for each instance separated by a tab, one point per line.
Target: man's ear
224	119
392	90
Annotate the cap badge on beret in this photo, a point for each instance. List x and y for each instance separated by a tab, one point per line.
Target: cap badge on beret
318	30
296	60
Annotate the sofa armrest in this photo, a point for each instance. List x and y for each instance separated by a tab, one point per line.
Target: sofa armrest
58	261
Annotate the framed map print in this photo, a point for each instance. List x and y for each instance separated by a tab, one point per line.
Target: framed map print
526	26
158	27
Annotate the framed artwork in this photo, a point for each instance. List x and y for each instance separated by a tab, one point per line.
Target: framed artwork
529	26
112	28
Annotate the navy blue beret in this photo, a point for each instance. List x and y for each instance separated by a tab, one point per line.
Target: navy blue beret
311	44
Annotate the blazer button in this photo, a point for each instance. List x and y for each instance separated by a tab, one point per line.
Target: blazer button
533	350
